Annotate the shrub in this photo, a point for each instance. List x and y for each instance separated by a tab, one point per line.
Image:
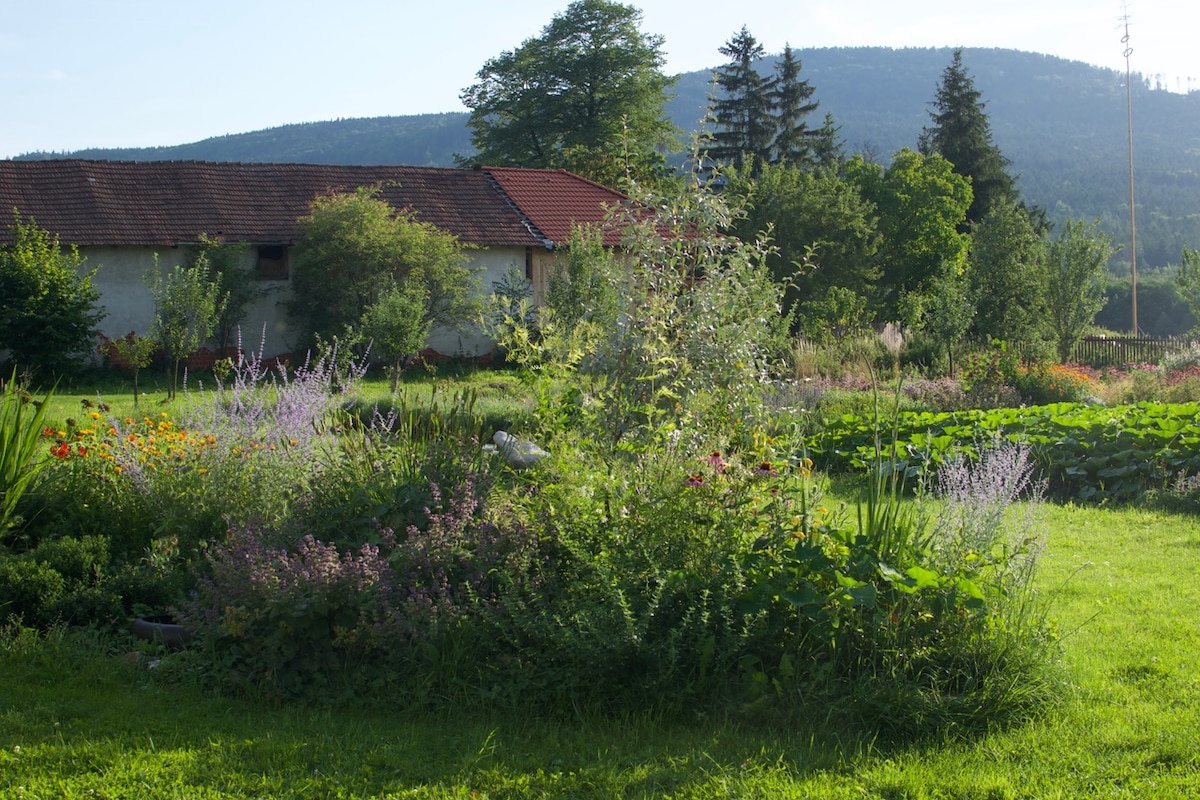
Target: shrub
29	589
306	618
48	306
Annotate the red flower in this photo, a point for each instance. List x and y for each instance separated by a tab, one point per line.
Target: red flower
61	450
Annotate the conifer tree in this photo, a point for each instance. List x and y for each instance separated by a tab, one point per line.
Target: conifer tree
962	135
795	142
744	114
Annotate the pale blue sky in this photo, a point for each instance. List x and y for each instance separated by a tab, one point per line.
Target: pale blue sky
133	73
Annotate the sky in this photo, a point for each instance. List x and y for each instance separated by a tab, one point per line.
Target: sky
76	74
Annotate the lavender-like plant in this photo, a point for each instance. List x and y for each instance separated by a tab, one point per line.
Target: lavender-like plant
978	496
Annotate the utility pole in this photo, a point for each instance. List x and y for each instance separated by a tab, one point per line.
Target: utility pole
1132	214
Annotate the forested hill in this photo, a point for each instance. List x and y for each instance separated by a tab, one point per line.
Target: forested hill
1062	124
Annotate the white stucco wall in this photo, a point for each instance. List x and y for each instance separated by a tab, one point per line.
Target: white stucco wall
129	306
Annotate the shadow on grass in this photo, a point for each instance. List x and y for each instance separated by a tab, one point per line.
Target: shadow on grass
81	717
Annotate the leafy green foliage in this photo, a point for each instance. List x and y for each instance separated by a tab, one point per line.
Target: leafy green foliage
1006	280
355	247
824	240
586	95
691	326
48	306
187	305
236	283
1076	265
921	203
1187	282
21	457
1086	452
396	327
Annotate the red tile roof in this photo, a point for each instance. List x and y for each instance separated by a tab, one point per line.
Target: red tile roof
169	202
553	200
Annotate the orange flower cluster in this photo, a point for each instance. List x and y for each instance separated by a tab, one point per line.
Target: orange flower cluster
152	442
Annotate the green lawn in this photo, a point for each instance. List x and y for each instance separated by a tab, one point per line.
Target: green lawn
77	721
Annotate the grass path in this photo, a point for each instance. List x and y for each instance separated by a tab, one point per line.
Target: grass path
1124	589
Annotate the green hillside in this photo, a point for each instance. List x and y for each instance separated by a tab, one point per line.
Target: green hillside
1062	124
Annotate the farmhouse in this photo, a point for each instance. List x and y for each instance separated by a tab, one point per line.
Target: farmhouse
121	215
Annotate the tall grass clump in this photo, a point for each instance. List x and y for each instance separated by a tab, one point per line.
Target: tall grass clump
21	458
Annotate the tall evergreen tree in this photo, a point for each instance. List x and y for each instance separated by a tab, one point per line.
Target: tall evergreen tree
962	135
744	114
795	142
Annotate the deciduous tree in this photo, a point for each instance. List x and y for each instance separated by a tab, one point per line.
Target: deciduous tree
239	285
587	95
1187	282
187	304
1006	271
920	204
823	233
48	306
1075	264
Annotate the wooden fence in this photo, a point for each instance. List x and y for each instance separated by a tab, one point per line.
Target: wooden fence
1104	351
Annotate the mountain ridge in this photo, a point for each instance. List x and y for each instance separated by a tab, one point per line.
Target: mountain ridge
1062	124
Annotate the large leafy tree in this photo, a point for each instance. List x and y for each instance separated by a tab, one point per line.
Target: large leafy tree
824	237
962	134
744	112
353	248
1006	272
587	95
1075	265
48	306
920	204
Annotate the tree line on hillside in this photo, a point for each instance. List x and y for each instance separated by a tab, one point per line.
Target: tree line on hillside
940	240
1062	124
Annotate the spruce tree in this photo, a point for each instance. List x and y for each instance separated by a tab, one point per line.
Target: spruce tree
795	143
962	135
744	114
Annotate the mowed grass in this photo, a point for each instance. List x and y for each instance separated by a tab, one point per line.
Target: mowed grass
77	720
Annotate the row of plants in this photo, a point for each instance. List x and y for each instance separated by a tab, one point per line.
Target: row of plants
1086	452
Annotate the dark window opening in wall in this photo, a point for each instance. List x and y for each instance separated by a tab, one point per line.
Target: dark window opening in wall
272	262
529	263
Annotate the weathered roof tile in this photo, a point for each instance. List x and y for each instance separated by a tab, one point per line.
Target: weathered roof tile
170	202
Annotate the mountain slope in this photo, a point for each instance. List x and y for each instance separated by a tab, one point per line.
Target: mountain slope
1062	124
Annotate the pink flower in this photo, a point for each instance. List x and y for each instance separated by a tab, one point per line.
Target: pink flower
766	468
695	480
714	460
